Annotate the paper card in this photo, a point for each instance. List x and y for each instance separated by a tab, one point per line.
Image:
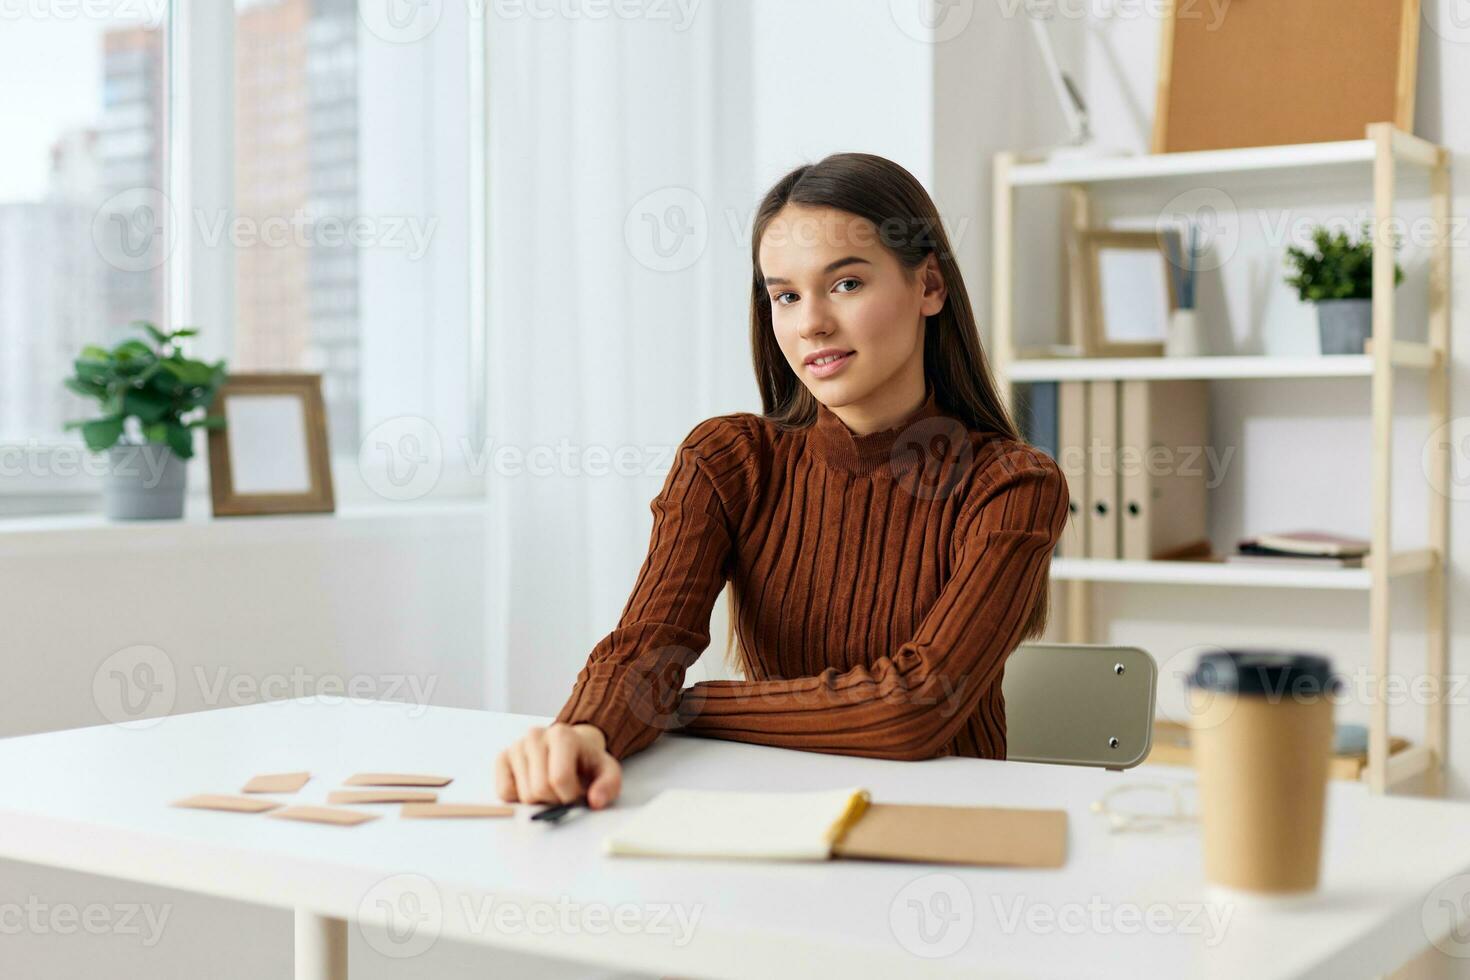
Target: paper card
324	814
279	782
235	804
455	810
958	835
381	796
397	779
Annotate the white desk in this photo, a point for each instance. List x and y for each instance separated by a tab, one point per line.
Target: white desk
94	800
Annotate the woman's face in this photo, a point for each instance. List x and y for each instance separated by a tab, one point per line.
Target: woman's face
833	286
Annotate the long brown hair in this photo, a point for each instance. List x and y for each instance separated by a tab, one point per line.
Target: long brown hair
908	225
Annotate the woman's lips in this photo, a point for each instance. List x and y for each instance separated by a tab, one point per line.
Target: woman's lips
831	367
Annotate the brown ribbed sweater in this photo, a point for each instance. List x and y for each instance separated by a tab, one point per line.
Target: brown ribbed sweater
880	582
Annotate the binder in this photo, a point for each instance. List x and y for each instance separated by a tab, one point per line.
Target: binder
1072	457
1162	471
1036	411
1102	470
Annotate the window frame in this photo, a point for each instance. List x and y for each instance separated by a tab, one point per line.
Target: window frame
200	280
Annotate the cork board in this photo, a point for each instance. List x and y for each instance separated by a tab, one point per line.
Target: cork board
1268	72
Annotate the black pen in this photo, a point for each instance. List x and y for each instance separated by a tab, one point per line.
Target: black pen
553	814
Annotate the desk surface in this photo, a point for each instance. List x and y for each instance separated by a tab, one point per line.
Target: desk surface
95	800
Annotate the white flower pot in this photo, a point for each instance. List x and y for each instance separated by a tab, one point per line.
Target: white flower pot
144	483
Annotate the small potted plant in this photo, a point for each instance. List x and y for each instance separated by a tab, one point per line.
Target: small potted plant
152	399
1337	275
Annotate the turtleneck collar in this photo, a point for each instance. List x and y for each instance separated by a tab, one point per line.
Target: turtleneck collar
831	441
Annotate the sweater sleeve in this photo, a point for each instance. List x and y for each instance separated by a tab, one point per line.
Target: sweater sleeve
911	704
631	684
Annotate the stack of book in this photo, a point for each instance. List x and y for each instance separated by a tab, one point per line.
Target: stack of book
1302	549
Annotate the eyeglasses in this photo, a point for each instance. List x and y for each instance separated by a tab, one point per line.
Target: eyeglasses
1146	807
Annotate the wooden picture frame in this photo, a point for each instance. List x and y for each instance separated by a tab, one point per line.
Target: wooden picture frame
271	456
1266	73
1132	337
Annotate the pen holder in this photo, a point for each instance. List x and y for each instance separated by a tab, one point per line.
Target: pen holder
1183	339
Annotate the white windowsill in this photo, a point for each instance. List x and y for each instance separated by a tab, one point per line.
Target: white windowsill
88	533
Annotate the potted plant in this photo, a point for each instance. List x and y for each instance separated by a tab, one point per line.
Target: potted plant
152	399
1337	275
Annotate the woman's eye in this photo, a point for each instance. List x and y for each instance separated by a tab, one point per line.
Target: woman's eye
855	282
779	295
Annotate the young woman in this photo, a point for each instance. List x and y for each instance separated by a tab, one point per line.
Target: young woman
886	533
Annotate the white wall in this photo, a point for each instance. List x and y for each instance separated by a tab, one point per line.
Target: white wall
240	610
828	79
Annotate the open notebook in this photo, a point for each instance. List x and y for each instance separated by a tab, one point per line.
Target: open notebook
842	823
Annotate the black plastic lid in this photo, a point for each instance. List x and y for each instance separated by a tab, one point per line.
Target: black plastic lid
1273	673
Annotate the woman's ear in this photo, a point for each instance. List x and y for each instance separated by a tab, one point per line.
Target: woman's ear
934	288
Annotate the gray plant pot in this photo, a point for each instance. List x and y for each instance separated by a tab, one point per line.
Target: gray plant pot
144	483
1345	324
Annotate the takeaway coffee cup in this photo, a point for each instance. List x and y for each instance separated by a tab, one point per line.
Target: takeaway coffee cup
1262	741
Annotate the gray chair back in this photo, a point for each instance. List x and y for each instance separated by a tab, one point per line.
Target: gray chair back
1079	704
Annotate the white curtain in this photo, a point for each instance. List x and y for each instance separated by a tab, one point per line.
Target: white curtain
603	338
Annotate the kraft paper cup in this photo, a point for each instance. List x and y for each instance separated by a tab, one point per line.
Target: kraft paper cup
1262	743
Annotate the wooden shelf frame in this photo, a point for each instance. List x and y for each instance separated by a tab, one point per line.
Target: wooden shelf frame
1382	156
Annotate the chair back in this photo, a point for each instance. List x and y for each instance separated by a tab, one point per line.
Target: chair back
1079	704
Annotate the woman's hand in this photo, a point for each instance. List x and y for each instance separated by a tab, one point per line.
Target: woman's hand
559	764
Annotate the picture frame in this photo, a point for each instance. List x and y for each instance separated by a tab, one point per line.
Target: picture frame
1129	293
271	456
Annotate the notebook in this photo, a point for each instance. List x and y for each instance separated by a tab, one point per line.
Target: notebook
844	823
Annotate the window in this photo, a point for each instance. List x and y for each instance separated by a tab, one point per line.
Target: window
352	190
84	154
342	207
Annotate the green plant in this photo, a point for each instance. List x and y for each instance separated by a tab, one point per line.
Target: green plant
1336	267
167	393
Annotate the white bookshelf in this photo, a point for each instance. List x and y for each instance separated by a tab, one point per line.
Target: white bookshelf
1168	368
1242	574
1304	160
1377	160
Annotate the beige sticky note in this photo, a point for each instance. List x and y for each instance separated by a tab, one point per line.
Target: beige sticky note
278	782
397	779
235	804
381	796
455	810
324	814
